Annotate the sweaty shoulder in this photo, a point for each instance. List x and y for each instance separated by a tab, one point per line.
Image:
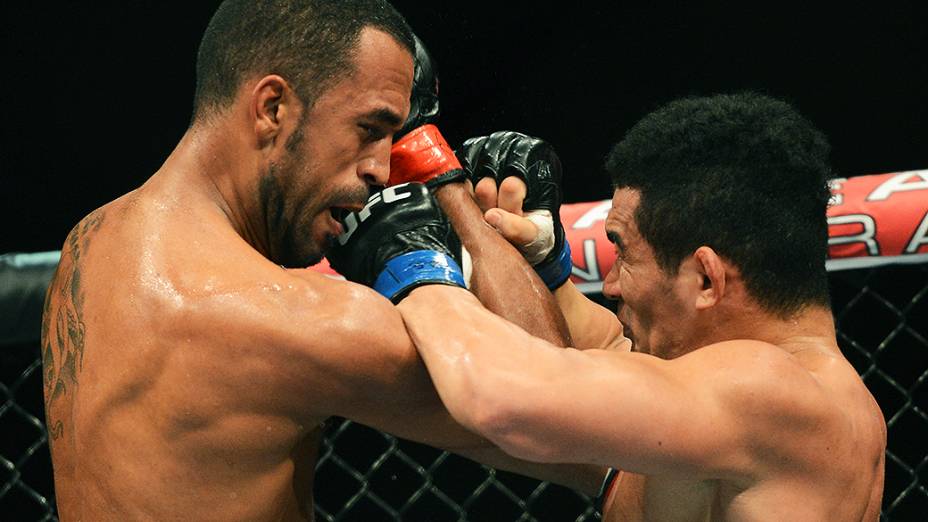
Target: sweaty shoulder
305	332
195	270
189	281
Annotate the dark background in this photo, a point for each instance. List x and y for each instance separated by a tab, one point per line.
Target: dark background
96	94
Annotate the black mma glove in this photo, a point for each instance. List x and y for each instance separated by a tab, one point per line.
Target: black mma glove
420	153
423	103
398	241
504	154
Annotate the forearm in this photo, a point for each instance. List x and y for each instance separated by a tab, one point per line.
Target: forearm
502	280
591	325
486	370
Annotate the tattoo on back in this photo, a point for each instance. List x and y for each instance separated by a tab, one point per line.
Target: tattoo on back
63	350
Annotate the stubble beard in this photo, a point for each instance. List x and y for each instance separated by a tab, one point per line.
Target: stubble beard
289	221
279	209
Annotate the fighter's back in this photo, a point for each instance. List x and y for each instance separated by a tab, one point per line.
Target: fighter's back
160	405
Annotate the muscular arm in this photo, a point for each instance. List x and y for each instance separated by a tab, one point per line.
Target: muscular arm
342	349
589	324
502	280
507	286
696	415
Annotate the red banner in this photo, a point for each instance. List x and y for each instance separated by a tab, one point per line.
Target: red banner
873	220
878	219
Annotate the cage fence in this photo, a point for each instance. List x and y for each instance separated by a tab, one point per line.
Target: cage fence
364	475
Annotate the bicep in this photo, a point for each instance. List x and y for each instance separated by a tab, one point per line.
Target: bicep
374	375
704	414
647	415
625	410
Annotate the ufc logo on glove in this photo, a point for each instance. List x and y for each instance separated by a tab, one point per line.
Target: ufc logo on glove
387	195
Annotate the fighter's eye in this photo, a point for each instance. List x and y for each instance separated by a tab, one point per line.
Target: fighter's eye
371	132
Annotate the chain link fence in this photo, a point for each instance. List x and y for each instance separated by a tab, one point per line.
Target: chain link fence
365	475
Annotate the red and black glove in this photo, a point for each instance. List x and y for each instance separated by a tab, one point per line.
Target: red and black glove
420	153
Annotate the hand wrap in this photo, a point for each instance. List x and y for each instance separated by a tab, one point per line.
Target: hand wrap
504	154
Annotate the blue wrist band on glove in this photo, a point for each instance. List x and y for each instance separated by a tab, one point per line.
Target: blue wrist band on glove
405	272
556	271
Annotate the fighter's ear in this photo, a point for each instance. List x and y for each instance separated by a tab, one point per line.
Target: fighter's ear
273	103
711	269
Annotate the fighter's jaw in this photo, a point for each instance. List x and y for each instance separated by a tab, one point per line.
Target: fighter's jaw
309	242
305	244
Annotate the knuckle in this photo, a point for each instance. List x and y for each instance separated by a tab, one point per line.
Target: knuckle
486	185
512	186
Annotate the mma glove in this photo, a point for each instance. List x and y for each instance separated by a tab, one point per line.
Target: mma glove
504	154
398	241
420	153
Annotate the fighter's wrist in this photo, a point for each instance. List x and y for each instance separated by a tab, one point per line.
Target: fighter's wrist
451	194
413	269
453	178
555	270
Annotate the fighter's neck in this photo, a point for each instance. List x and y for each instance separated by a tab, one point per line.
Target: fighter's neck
811	328
222	168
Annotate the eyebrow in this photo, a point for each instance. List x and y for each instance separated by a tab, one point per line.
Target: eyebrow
384	116
615	238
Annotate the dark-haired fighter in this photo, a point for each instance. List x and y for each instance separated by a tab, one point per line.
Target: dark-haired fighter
736	403
187	374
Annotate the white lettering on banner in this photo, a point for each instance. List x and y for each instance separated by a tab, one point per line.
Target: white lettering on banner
836	185
919	238
595	215
864	237
589	259
900	183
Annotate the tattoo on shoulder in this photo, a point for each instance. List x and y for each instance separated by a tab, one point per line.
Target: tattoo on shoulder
63	327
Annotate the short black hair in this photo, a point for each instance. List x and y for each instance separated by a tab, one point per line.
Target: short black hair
310	43
745	174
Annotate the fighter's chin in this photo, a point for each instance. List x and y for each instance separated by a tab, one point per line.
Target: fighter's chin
309	248
302	259
303	252
315	251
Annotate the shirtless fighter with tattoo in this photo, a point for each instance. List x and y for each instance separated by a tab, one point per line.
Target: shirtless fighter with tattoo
189	358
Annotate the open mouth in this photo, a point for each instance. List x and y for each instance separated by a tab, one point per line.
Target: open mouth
339	213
